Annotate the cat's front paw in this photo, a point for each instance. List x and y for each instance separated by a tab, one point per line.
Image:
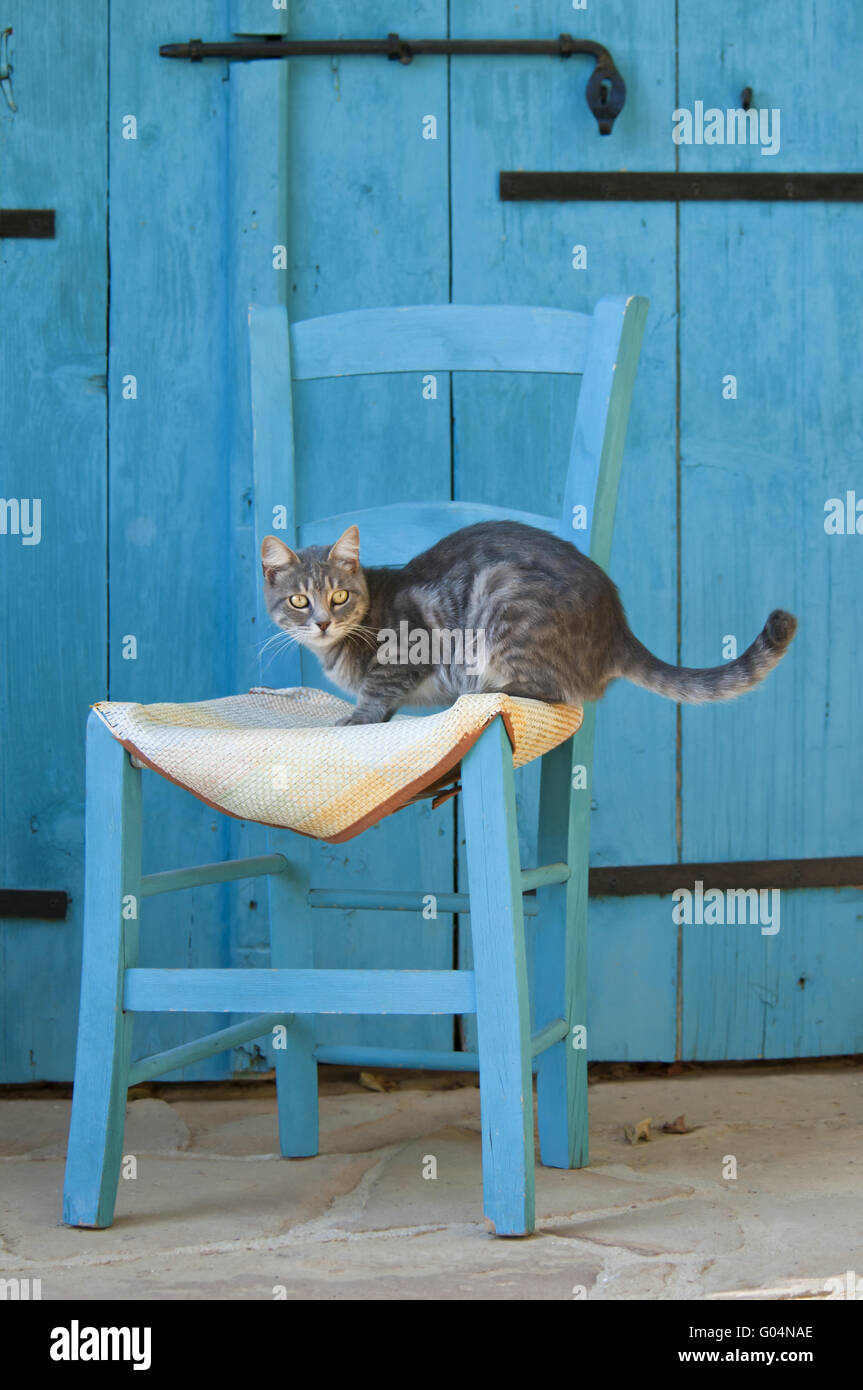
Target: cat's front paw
358	717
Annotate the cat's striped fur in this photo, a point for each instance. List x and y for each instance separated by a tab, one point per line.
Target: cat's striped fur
553	623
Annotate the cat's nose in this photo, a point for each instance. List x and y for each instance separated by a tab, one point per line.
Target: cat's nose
323	626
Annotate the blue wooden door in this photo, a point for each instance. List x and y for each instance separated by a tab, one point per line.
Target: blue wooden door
769	296
129	592
329	184
53	480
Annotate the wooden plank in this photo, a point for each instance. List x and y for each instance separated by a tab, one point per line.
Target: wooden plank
258	17
300	991
280	934
169	515
632	976
795	993
767	295
272	422
440	338
52	580
512	434
257	194
368	227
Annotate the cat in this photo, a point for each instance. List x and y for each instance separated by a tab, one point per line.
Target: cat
551	623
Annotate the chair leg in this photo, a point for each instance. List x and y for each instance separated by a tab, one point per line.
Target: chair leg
561	955
112	896
291	947
503	1010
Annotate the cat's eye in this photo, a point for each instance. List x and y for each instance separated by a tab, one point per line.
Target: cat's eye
339	596
299	601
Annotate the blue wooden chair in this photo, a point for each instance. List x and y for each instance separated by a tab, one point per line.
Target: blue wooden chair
603	348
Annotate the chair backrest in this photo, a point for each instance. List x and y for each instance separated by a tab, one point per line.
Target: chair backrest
602	347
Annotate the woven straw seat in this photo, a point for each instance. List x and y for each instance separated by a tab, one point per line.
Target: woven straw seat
276	757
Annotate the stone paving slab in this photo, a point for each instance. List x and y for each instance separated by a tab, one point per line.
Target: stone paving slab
215	1214
170	1204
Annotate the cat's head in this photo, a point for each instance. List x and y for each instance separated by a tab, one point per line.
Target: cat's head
317	594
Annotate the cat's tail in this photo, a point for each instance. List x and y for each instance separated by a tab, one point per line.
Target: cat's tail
695	686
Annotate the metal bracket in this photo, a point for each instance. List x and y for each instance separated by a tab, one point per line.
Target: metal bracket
40	905
27	222
635	880
576	187
605	93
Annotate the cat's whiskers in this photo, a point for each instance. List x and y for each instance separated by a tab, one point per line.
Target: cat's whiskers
267	641
279	641
366	634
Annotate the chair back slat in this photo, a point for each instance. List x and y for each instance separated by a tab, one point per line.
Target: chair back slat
393	534
440	338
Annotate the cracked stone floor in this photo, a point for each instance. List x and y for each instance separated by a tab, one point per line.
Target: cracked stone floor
213	1212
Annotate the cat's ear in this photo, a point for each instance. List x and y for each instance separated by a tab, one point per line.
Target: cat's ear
275	555
346	551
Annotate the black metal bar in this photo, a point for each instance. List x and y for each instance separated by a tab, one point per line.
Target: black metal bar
27	222
42	905
621	881
625	882
566	187
606	89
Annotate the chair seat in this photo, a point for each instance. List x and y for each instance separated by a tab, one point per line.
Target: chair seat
276	757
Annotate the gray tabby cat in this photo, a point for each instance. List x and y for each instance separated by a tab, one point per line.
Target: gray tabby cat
551	622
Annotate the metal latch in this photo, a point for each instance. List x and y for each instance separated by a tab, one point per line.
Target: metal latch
605	93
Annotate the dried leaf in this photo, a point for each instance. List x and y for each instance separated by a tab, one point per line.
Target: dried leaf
641	1130
678	1126
374	1081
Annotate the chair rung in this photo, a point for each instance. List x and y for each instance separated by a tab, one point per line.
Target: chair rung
546	1037
421	1059
545	875
385	901
369	899
160	1062
175	879
301	991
